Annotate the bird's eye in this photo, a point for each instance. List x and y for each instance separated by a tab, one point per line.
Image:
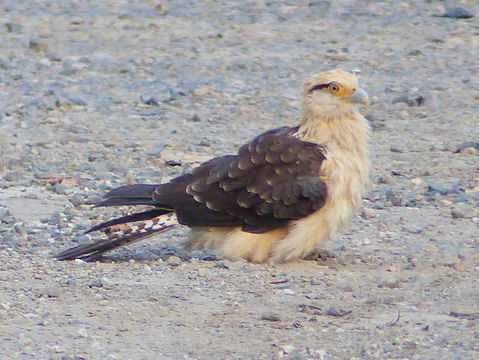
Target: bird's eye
334	88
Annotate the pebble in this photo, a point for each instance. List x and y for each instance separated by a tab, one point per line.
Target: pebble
13	176
386	179
368	213
174	261
436	188
38	45
466	145
288	292
470	151
76	200
409	100
13	27
97	283
287	349
271	316
412	229
393	198
462	212
457	12
4	212
53	292
62	189
333	311
296	356
202	272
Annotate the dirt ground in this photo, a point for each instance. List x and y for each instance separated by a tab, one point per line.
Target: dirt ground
98	94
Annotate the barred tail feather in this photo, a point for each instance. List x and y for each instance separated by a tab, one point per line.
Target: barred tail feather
91	252
145	215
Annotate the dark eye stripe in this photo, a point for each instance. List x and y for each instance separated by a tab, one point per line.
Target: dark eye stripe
318	87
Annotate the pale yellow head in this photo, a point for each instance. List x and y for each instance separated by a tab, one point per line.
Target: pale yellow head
333	88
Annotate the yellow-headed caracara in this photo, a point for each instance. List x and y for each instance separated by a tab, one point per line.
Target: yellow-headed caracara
280	198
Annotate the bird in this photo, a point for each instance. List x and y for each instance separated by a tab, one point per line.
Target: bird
280	198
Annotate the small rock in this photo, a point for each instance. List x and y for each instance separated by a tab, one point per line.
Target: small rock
382	227
97	283
13	176
38	45
462	212
368	213
61	189
332	311
53	292
395	199
195	118
470	151
386	179
287	349
149	100
457	12
202	272
412	229
288	292
174	261
296	356
410	101
271	316
435	188
467	144
76	200
4	212
53	56
388	282
396	149
13	27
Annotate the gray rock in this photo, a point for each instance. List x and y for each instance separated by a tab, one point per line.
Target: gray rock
13	27
76	200
462	212
333	311
409	100
53	56
53	292
149	100
457	12
38	45
271	316
97	283
436	188
412	229
62	189
174	261
467	144
13	176
395	199
4	212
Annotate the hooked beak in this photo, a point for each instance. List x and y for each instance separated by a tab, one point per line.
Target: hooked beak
359	96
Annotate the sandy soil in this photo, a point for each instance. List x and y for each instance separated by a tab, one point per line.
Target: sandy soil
94	95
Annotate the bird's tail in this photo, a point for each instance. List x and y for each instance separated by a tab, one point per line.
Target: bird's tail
150	222
116	239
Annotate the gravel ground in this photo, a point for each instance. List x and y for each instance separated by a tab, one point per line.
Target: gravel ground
103	93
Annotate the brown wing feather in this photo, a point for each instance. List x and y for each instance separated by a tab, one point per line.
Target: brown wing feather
272	180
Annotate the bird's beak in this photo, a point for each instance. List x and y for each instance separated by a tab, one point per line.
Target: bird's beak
359	96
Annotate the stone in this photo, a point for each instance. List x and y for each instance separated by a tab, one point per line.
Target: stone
4	212
38	45
271	316
174	261
412	229
457	12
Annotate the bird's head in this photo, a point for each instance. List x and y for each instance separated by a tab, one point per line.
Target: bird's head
333	89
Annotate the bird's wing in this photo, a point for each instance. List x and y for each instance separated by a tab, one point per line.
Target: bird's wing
272	180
